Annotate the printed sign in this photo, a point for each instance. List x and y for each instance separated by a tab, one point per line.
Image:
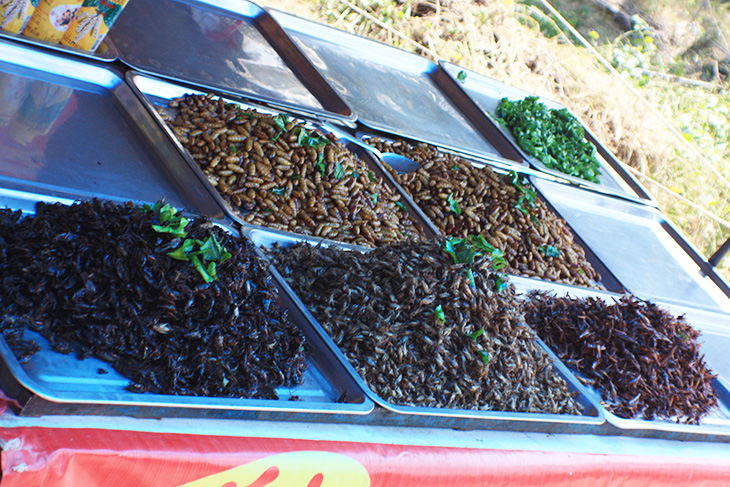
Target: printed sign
295	469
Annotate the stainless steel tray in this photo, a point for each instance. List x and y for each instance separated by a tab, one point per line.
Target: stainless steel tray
589	421
487	93
396	91
230	46
107	51
640	246
70	128
60	381
156	93
714	344
608	279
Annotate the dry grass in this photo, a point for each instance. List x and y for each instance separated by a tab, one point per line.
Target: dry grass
500	39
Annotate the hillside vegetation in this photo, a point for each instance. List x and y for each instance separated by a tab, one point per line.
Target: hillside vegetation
648	77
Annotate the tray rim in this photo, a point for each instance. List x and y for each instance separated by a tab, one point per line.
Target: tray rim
109	56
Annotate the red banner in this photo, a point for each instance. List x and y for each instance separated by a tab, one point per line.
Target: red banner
52	457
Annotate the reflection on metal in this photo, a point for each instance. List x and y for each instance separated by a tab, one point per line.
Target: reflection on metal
72	128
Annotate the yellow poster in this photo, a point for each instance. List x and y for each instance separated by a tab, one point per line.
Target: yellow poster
14	14
51	19
91	23
295	469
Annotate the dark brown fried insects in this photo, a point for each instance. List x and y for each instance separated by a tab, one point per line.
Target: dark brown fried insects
96	277
645	361
278	173
462	199
423	331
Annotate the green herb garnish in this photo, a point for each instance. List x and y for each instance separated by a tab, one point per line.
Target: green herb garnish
528	196
464	250
440	316
401	206
461	76
339	171
555	137
205	258
375	198
322	168
476	334
278	191
209	252
372	177
454	205
171	221
549	251
310	138
296	176
501	283
484	356
281	121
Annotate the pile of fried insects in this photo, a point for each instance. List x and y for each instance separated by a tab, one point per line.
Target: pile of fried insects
428	323
177	306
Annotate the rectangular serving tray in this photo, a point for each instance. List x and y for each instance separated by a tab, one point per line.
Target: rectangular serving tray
392	414
396	91
156	94
71	128
714	344
54	383
486	93
230	46
608	279
641	247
